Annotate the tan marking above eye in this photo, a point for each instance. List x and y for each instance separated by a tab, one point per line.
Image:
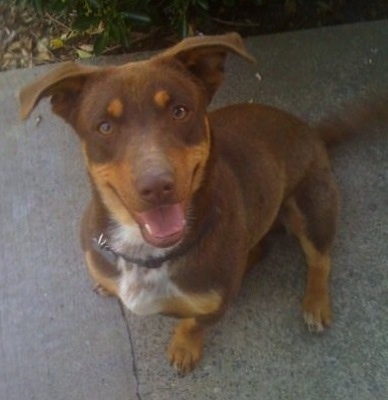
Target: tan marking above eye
161	98
115	108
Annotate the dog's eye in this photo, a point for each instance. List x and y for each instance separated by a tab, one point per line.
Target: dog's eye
180	112
105	128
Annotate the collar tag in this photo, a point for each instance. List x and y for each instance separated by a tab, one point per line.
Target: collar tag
100	245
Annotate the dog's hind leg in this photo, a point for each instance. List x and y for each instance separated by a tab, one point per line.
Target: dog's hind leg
311	214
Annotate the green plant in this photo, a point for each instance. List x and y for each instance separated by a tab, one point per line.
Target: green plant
179	11
110	22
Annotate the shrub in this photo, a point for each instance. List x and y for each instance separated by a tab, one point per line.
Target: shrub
111	21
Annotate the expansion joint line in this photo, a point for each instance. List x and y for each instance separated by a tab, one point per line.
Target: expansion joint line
132	346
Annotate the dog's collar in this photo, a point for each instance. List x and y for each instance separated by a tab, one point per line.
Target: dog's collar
101	245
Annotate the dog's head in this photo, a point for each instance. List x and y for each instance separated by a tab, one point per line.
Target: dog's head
143	128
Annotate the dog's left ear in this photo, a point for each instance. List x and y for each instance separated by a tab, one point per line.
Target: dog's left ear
204	56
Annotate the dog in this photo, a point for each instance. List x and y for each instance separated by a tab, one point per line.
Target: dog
183	198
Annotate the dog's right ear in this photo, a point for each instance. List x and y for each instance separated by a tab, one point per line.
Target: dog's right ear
63	84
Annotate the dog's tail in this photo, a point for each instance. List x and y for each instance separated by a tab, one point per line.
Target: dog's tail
354	120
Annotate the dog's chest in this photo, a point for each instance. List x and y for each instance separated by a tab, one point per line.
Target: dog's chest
150	291
143	291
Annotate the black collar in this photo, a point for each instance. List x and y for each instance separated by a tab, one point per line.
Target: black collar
101	245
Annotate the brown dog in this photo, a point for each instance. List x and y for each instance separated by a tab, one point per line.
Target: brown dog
183	198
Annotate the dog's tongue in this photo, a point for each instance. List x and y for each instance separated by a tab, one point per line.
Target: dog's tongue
164	221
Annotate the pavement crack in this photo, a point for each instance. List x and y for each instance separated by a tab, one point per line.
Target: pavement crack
132	346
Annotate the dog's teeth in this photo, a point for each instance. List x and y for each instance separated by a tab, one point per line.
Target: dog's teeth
148	229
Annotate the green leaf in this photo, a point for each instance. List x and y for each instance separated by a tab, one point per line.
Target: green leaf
184	26
203	4
136	17
123	33
100	43
38	6
114	32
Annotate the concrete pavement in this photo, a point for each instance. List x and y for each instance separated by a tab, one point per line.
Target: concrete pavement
60	341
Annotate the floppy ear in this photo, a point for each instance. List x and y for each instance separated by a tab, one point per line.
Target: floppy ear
204	56
63	84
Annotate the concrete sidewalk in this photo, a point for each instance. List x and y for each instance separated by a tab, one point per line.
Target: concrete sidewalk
59	341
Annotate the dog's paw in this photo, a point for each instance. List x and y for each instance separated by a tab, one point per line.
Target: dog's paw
185	350
101	291
317	313
184	358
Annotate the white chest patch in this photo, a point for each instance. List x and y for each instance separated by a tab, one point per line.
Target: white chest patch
142	290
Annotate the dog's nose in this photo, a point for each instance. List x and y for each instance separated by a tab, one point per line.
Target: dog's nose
156	187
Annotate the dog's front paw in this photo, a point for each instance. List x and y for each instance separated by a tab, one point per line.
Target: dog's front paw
185	350
317	313
101	291
184	357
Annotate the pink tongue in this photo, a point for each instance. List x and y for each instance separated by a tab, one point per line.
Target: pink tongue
163	221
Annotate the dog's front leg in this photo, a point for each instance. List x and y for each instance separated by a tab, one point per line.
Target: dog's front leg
185	349
186	345
105	276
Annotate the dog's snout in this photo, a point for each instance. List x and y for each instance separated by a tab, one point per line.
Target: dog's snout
156	186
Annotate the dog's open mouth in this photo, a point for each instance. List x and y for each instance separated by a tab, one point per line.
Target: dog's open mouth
163	226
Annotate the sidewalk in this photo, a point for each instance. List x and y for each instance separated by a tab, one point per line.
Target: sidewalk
60	341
